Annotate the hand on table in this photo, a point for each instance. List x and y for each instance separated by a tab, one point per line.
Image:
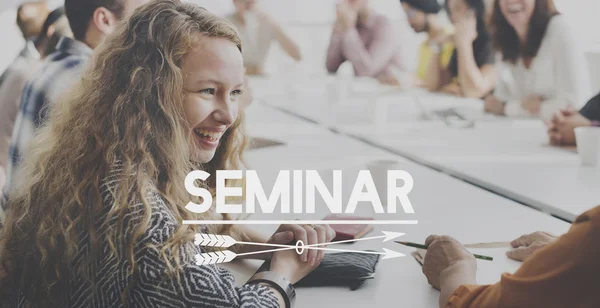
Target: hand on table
452	88
493	105
388	79
527	244
532	103
561	129
309	235
444	254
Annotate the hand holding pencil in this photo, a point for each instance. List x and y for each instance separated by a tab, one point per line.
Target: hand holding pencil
447	255
421	246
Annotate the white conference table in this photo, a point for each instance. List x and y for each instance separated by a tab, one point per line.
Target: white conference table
510	157
443	205
512	160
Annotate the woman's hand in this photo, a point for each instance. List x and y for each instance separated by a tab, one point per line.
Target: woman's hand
561	129
309	235
287	263
448	265
444	253
493	105
532	104
388	78
526	245
452	88
346	16
466	30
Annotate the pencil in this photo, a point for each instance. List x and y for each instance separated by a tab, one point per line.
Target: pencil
421	246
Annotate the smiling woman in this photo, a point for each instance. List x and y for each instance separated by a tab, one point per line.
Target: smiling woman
543	68
214	80
97	222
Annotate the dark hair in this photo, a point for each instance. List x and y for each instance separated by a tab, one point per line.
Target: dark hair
506	39
483	41
426	6
478	7
80	12
53	17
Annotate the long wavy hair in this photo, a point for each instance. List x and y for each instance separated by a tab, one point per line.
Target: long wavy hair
127	108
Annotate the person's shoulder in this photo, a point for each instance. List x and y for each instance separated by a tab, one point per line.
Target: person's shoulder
558	26
26	68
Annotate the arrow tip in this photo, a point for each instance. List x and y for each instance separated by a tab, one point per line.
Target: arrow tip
391	235
390	254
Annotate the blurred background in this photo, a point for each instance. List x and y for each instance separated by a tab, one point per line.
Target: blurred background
309	23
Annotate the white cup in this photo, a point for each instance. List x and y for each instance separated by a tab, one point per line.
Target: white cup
588	145
379	170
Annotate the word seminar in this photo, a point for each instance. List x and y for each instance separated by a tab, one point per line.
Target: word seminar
295	191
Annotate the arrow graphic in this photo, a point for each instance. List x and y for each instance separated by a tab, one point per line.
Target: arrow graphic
213	240
225	256
216	257
226	241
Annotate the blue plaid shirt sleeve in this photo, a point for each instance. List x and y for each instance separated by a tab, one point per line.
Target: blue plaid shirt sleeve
38	96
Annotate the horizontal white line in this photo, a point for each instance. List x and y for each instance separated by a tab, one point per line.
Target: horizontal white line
300	222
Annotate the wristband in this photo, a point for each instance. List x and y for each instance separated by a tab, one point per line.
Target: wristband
595	124
280	283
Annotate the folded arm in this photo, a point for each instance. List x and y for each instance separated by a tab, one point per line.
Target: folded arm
372	60
474	81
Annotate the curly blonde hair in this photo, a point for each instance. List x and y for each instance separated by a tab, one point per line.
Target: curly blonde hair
127	107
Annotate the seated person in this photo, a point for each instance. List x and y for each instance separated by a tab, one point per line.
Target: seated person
20	71
547	73
258	30
97	222
562	272
367	40
471	71
561	129
436	51
30	20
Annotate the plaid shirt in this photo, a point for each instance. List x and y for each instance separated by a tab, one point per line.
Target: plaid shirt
59	71
29	52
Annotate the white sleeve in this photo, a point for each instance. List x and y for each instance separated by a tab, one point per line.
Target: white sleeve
505	92
570	76
570	71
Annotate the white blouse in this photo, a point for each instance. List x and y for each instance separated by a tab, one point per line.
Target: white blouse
558	74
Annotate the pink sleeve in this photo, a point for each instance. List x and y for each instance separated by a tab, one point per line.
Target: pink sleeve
334	52
375	59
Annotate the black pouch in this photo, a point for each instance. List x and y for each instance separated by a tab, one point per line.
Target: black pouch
346	269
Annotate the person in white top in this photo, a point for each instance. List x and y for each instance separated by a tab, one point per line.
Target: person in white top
543	68
258	30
